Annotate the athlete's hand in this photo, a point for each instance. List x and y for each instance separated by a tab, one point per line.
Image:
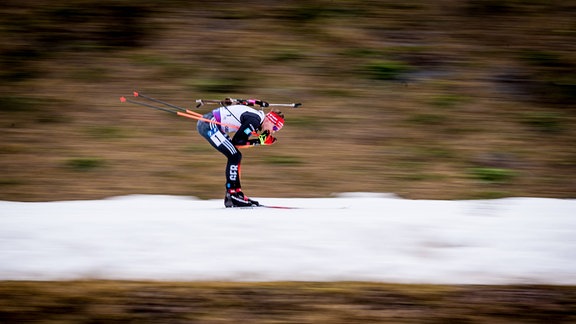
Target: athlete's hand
266	139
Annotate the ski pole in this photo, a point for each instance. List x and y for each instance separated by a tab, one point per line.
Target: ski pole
180	111
124	99
137	94
199	117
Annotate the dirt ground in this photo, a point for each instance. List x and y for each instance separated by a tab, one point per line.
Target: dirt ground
288	302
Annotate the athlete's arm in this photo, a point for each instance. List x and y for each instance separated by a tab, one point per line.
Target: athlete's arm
250	123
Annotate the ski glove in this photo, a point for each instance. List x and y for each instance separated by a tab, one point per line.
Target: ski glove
263	139
266	139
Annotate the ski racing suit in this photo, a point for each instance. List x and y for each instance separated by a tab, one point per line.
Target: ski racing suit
243	120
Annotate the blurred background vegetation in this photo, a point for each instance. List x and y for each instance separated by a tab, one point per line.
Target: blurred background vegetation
425	99
283	302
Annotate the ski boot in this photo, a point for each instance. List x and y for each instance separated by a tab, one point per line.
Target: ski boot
236	198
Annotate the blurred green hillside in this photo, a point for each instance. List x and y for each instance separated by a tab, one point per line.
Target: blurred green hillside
425	99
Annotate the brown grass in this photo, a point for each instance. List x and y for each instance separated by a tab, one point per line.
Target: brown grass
281	302
425	100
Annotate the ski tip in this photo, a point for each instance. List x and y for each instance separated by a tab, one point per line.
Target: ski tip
136	94
122	99
277	207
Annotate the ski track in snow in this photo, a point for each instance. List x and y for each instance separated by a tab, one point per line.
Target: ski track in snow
353	236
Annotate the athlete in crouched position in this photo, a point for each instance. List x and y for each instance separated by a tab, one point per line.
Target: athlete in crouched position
238	116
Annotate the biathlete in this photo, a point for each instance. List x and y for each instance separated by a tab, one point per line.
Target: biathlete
238	116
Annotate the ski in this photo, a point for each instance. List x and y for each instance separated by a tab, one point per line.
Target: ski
263	206
286	207
278	207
